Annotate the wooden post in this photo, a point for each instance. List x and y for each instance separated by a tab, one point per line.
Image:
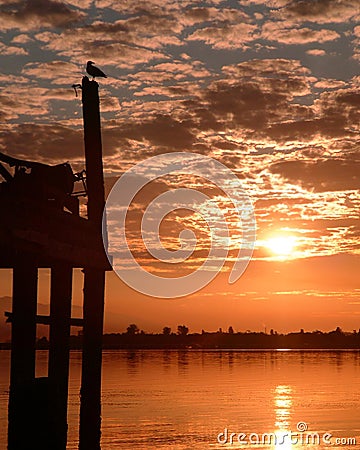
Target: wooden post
59	352
94	279
93	151
22	422
90	408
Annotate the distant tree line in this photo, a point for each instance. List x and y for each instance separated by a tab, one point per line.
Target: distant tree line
134	338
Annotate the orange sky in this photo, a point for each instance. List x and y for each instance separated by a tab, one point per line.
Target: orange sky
269	89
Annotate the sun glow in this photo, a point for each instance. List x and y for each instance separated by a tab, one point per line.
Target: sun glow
281	245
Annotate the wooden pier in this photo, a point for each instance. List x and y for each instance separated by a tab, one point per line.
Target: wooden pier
41	228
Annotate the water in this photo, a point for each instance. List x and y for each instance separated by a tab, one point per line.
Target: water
184	399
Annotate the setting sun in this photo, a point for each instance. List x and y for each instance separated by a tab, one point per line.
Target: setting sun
281	245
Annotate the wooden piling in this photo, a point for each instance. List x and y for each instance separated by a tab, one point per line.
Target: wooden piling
94	279
59	351
23	340
90	407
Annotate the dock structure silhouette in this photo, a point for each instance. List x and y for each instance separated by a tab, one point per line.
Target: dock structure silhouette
41	227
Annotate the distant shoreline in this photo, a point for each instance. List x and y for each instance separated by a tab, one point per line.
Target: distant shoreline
245	341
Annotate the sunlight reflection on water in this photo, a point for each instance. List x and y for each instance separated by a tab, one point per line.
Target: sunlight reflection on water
183	399
283	404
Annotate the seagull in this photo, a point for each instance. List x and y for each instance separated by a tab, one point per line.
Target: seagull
94	71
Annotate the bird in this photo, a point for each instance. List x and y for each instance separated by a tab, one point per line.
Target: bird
94	71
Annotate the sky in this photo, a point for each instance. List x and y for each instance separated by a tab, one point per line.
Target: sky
271	89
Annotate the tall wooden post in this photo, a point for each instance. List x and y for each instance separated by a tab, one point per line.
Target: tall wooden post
22	422
94	279
59	352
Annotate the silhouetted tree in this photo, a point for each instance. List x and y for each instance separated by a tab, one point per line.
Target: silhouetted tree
231	331
132	329
166	331
182	330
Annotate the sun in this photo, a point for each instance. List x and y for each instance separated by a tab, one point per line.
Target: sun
281	245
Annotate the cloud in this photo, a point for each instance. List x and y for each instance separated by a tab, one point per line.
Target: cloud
344	102
226	36
204	77
335	174
198	15
253	98
162	130
45	143
282	68
7	79
54	71
82	4
53	143
24	97
37	14
320	11
248	100
128	7
82	45
175	80
247	103
131	7
22	39
6	50
335	115
285	33
110	104
308	129
329	84
201	15
19	100
123	43
316	52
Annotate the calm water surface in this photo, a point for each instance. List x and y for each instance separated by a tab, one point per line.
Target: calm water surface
184	399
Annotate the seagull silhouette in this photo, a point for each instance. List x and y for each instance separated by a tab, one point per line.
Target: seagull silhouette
94	71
